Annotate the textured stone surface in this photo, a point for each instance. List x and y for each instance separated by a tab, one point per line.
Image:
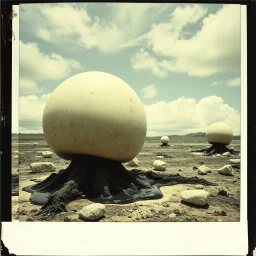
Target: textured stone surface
196	196
92	212
42	167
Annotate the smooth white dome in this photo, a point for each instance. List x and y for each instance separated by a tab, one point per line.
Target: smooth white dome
219	133
95	113
164	139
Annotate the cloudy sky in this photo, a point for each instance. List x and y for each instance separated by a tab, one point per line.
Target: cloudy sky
183	60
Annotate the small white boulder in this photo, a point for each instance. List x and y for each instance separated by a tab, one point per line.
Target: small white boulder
195	196
218	155
203	169
47	154
234	161
159	165
15	157
226	153
160	157
133	162
42	167
199	186
226	170
92	211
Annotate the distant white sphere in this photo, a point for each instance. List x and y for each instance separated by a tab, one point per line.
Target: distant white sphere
219	133
95	113
164	139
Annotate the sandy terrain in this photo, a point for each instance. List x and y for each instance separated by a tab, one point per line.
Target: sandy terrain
223	206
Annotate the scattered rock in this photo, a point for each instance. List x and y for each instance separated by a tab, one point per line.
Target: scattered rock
30	219
133	162
195	168
47	154
203	170
218	155
226	154
34	143
223	192
92	211
179	170
199	186
197	197
232	148
159	165
234	161
15	157
172	215
219	213
42	167
226	170
15	152
160	157
37	157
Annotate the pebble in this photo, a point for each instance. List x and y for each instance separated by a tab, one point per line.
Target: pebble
159	156
47	154
15	157
42	167
234	161
203	169
133	162
197	197
218	155
159	165
226	154
172	215
92	211
199	186
226	170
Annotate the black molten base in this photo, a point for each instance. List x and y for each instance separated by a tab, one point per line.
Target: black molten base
217	148
103	181
164	145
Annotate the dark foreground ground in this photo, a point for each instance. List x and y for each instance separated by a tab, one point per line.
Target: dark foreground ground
224	202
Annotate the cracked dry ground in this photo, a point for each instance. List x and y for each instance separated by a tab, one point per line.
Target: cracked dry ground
224	201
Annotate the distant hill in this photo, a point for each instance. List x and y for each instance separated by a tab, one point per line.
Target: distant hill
196	134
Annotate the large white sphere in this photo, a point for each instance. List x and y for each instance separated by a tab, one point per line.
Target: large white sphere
219	133
164	139
95	113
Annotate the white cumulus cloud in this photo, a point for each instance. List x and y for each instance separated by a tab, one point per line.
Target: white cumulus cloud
185	115
149	91
36	65
31	110
234	82
214	48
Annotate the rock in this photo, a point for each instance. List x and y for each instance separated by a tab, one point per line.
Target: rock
226	170
219	213
47	154
197	197
92	211
234	161
15	157
172	215
37	157
203	169
159	165
159	156
232	148
223	192
226	154
34	143
133	162
15	152
218	155
42	167
199	186
195	168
